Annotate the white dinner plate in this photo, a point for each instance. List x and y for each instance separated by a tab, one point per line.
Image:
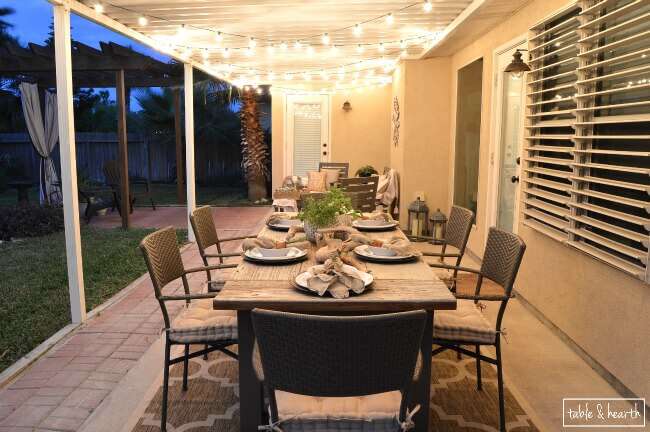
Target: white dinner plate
373	225
302	278
283	255
284	224
380	254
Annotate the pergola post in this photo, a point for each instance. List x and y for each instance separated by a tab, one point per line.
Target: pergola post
123	151
65	117
189	145
178	134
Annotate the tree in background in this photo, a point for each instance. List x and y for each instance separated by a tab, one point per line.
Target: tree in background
255	153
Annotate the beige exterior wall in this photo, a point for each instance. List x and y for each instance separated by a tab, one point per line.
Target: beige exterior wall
422	155
604	311
359	136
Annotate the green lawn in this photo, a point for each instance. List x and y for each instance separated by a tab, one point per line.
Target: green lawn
33	282
163	194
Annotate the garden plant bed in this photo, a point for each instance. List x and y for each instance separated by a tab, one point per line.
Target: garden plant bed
34	289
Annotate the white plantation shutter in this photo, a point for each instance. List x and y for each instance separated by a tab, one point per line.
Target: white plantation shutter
588	146
306	137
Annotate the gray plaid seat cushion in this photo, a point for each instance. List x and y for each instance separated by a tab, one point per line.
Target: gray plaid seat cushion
466	324
298	413
201	324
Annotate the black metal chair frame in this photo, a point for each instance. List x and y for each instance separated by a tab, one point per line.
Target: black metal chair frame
111	172
322	356
164	269
493	269
457	235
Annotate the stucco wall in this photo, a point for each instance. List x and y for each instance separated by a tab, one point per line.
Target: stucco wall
422	155
359	136
604	311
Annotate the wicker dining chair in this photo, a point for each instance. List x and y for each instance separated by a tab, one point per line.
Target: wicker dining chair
458	229
337	372
466	325
199	323
342	167
206	237
362	190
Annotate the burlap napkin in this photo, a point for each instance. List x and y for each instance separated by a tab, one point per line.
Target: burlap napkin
276	217
335	278
267	243
402	247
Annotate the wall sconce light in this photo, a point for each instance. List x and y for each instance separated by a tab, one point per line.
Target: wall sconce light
517	66
347	106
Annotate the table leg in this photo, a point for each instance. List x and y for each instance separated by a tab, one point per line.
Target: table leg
250	390
422	391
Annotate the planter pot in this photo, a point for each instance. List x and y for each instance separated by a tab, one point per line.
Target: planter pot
310	231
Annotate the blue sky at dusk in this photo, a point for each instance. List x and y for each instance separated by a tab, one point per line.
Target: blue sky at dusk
31	23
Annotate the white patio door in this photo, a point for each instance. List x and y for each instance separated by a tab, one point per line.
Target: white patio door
508	139
307	138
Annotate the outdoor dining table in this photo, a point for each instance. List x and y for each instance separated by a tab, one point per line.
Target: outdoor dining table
396	288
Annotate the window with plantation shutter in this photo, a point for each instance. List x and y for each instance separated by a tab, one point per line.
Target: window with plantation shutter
596	130
550	117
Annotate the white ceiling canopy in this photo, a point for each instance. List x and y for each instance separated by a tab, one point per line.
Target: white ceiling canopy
332	43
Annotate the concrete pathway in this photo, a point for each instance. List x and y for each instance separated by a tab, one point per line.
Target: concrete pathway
61	389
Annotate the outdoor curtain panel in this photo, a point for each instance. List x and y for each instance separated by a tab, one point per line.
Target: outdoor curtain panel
44	135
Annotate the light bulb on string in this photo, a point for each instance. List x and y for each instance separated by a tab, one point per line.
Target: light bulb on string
252	43
360	48
249	52
334	50
357	30
99	8
143	21
427	6
226	52
381	47
390	19
325	39
218	37
297	45
182	32
402	44
283	46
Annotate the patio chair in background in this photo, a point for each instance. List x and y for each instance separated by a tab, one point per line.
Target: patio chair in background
334	372
342	167
206	237
459	228
113	179
199	323
362	190
466	325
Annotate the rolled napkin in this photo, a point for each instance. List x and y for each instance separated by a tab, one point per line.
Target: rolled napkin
335	277
357	240
379	216
261	242
331	250
402	247
342	232
293	231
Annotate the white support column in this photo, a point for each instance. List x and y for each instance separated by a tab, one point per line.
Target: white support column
189	146
63	59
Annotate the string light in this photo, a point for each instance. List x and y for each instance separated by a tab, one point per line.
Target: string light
283	46
288	77
334	50
143	21
218	37
226	52
271	76
381	47
390	19
297	45
182	32
99	8
325	39
360	48
402	44
249	52
357	30
270	49
427	6
252	43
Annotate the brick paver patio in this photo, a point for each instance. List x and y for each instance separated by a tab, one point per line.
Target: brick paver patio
60	390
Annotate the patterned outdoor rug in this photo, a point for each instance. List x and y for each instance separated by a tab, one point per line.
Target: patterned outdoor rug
212	400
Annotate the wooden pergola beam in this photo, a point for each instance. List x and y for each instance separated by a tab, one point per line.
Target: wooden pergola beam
123	151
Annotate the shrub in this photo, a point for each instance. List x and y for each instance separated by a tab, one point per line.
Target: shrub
323	211
29	221
366	171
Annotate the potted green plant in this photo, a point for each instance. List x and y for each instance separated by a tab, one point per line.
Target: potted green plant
366	171
333	208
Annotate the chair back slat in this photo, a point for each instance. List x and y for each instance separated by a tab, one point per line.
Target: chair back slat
342	167
163	258
502	257
334	356
362	191
459	227
203	227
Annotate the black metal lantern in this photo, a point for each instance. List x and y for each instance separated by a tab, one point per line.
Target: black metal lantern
438	227
417	218
517	66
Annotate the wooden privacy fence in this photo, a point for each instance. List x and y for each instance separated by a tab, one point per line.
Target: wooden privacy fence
150	156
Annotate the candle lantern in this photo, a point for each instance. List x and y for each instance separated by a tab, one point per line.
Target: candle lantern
438	227
417	218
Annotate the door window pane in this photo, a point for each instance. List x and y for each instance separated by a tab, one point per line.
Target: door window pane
468	134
